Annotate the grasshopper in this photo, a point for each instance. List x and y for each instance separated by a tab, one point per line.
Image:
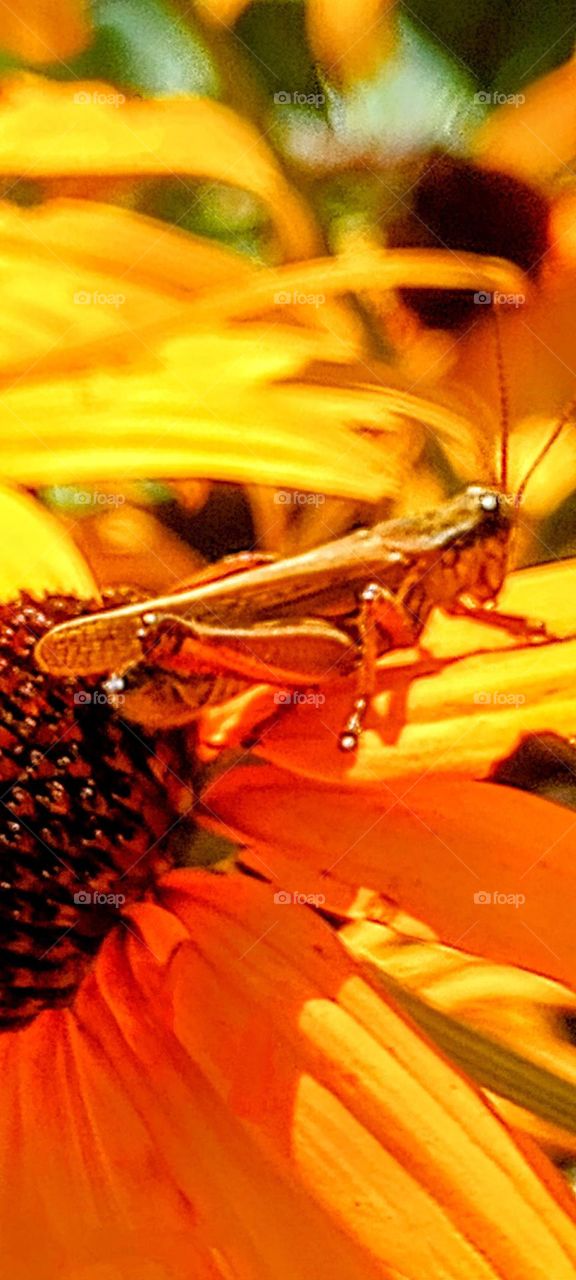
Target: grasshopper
301	622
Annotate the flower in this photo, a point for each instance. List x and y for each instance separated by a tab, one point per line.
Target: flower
126	1120
225	1090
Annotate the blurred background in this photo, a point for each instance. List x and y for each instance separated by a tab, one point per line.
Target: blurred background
350	97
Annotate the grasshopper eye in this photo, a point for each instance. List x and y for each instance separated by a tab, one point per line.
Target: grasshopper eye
486	498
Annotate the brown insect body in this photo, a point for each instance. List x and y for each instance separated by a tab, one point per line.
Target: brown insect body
297	622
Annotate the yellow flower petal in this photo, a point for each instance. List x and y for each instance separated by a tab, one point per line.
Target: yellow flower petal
365	269
76	273
506	1028
536	137
37	554
222	10
86	127
350	40
214	407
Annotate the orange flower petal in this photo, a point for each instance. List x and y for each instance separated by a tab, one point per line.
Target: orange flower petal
333	1134
337	1093
37	31
425	847
537	136
350	40
506	1028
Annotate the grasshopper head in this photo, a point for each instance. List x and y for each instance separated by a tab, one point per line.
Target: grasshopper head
493	515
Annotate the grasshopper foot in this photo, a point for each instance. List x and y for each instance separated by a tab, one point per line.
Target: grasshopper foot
350	736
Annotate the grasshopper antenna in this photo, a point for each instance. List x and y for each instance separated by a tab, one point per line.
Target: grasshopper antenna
567	413
504	403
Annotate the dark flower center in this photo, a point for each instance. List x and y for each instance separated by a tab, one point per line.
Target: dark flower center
82	815
458	205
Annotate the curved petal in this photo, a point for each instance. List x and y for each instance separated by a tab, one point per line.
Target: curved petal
235	417
106	134
359	270
350	40
77	273
37	554
331	1137
505	1027
436	850
535	137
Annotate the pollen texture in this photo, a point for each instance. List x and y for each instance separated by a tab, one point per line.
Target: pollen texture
82	814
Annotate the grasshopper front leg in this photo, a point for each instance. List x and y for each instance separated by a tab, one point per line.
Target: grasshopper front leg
383	623
515	624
